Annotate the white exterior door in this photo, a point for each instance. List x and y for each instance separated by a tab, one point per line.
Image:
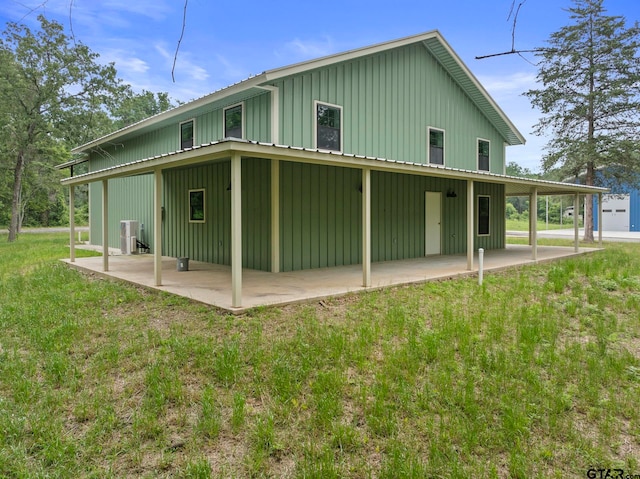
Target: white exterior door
433	218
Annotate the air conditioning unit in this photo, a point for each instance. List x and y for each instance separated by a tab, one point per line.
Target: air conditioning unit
128	236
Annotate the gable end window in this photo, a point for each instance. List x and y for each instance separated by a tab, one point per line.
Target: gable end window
483	155
233	124
436	146
186	134
328	121
196	206
483	215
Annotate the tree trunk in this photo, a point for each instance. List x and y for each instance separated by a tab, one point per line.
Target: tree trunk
588	207
15	202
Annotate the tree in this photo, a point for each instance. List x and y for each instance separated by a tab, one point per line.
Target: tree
590	77
134	107
52	91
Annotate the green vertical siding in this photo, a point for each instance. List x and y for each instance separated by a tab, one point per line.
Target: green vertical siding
398	215
211	241
320	216
388	101
129	199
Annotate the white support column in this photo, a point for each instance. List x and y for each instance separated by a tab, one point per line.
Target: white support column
72	223
600	219
275	216
576	222
470	224
533	217
157	227
105	225
236	230
366	227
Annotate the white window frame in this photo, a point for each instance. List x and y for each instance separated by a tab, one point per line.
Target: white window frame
242	119
315	124
488	233
444	145
204	205
193	121
478	140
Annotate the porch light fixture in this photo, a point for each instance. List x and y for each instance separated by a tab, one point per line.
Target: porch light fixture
451	193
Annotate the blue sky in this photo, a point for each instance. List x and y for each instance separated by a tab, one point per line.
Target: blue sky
226	42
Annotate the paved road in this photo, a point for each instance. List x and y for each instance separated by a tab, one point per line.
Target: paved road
60	229
615	236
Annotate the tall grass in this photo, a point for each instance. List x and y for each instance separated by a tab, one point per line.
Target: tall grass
536	373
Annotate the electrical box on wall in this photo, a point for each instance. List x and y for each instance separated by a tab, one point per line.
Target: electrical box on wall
128	236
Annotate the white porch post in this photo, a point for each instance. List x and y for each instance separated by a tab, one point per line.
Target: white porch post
533	217
470	227
275	216
366	227
72	223
157	227
105	225
236	230
576	221
600	219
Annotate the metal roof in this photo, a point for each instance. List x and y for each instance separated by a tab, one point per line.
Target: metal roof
216	150
432	40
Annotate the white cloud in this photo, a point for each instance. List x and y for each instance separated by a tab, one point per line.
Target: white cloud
305	49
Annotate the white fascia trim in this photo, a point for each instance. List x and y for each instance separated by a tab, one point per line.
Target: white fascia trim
277	73
478	85
177	111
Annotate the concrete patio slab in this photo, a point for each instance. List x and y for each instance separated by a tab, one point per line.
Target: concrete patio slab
211	283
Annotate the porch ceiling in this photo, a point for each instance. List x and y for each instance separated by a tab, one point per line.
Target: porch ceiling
217	150
211	283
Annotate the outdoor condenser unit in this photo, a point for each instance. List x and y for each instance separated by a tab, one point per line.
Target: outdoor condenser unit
128	236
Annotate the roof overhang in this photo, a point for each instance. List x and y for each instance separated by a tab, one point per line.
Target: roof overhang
433	41
219	150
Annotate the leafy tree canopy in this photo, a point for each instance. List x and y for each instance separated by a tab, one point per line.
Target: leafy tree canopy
54	94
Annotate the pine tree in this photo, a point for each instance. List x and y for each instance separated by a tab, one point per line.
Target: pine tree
590	97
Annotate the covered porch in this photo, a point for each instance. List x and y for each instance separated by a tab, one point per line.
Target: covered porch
237	288
211	283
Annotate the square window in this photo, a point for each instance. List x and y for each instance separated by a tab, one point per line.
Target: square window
233	122
328	127
436	146
196	206
483	155
483	215
186	134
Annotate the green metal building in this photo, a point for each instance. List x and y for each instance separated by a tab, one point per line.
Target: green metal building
388	152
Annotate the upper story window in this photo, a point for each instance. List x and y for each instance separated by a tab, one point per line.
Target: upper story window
328	120
233	123
186	134
483	155
436	146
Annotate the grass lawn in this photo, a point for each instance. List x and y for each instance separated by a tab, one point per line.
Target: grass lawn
518	225
534	374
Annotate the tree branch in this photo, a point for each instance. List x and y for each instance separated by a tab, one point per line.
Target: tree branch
175	57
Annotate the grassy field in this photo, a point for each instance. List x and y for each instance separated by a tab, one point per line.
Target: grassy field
518	225
534	374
